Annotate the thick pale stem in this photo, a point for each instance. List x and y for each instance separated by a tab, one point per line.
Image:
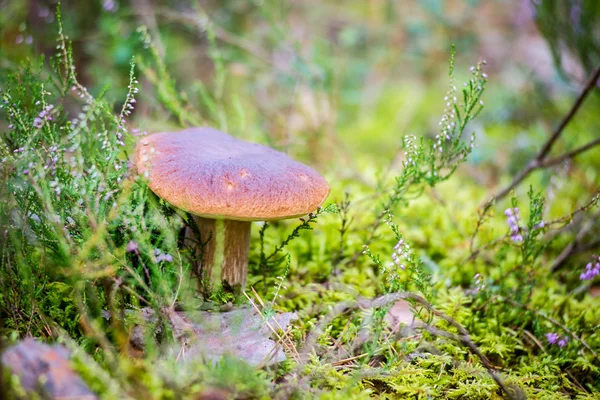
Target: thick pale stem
225	256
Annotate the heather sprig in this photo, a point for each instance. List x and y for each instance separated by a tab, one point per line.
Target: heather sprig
64	64
448	147
270	261
513	219
403	271
477	285
128	105
428	162
526	236
152	65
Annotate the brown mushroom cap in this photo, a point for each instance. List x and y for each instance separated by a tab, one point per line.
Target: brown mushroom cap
213	175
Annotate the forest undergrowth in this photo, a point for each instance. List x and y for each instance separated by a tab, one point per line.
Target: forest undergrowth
494	304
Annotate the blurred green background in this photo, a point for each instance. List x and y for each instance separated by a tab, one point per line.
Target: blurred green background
338	84
317	76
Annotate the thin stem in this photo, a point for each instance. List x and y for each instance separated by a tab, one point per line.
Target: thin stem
574	245
578	102
509	391
487	207
570	154
518	179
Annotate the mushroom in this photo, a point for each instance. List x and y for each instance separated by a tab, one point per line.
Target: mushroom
226	183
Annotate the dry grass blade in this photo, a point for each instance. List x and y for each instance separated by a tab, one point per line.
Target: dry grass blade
346	360
287	343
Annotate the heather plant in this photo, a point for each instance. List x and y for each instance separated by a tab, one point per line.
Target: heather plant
85	245
81	219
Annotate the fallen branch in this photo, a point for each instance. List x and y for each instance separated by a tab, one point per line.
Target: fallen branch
512	392
463	337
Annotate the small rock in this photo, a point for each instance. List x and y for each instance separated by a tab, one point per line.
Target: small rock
241	332
214	394
400	314
45	369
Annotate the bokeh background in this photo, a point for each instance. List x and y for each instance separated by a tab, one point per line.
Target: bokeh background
338	85
333	81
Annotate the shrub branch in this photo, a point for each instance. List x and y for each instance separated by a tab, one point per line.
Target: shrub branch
540	160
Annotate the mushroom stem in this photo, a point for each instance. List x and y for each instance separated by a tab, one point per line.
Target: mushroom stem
225	255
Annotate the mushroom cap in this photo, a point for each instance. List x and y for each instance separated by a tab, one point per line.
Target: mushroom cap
213	175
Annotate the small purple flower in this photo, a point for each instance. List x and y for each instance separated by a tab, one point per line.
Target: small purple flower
43	116
132	247
555	338
592	269
552	337
513	219
164	257
110	5
399	252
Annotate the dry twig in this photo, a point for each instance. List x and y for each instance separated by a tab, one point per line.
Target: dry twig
285	341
